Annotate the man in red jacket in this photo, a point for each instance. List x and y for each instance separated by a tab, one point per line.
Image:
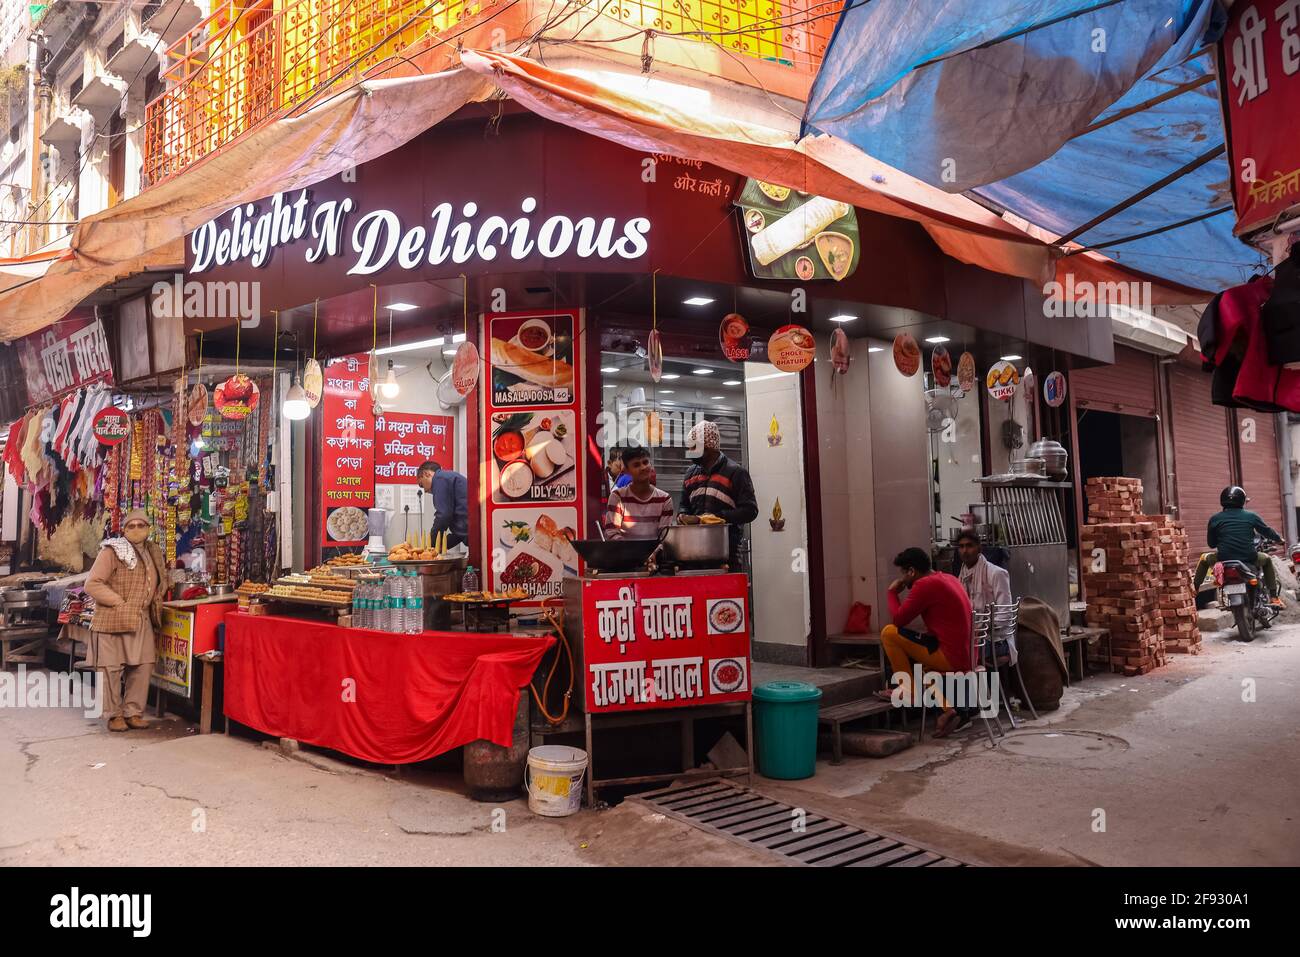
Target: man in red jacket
941	603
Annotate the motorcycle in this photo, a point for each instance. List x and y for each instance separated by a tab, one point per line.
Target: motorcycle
1243	591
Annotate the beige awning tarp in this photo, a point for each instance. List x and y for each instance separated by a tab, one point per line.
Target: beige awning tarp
148	230
650	113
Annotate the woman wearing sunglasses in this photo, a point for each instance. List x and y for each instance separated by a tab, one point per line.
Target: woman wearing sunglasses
127	582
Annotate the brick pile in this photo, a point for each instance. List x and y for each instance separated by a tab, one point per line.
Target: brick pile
1143	597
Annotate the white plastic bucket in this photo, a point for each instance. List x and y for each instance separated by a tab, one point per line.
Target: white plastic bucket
554	780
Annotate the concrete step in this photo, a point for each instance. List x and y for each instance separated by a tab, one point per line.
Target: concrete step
838	685
1214	619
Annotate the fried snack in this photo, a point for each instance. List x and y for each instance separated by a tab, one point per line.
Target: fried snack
712	520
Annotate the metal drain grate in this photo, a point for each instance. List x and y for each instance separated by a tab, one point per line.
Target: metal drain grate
749	818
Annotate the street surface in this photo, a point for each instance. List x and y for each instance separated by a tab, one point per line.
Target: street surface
1184	771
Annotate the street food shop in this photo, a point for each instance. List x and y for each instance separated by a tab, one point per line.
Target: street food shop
513	322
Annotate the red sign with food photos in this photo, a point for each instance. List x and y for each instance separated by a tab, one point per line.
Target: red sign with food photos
665	642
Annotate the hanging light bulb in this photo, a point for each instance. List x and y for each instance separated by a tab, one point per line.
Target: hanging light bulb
296	407
389	387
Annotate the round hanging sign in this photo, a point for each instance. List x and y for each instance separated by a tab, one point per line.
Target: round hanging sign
1054	389
841	351
196	405
791	348
465	368
111	425
1002	380
237	397
313	382
733	333
941	367
966	372
907	354
654	355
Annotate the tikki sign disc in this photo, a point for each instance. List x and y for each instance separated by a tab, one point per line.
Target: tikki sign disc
1002	380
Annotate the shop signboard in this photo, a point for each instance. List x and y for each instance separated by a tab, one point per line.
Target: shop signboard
111	425
796	236
665	642
347	451
404	441
1259	71
68	355
534	469
174	652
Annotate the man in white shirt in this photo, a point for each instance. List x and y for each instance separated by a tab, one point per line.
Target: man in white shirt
985	583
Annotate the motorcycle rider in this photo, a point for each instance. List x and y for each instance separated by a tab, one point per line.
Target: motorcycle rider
1232	532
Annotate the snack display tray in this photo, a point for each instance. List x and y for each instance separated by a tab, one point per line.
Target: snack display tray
310	602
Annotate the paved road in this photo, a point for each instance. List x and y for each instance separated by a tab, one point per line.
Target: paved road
1186	771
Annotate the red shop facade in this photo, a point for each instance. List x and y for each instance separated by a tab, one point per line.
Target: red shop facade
496	232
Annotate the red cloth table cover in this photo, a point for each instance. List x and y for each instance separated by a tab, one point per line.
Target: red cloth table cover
415	696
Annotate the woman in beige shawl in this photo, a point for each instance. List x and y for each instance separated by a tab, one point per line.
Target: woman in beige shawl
127	582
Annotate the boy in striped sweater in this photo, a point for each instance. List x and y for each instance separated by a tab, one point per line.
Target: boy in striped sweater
638	510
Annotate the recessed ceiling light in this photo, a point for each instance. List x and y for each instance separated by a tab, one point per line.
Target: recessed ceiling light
610	385
935	340
770	375
732	382
666	391
670	376
401	306
667	402
609	368
1011	358
843	317
714	398
458	337
448	352
697	301
702	372
422	344
875	348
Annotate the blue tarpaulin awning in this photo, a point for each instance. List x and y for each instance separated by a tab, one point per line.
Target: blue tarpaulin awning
1097	121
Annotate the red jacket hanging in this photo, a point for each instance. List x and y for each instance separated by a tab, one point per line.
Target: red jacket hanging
1239	345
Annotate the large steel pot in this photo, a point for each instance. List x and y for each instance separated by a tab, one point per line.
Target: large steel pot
697	543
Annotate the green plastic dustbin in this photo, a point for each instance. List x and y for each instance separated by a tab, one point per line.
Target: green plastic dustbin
785	729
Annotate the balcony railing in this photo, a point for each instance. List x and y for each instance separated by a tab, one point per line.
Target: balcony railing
250	62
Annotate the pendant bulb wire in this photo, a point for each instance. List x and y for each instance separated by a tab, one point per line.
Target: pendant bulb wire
654	299
314	312
464	298
275	345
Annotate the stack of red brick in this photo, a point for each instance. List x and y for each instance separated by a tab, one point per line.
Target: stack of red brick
1136	579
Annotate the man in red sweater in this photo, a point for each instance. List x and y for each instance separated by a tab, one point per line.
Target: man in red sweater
941	603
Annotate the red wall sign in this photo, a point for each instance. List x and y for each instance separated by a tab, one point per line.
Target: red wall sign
347	451
1259	71
404	441
665	642
69	354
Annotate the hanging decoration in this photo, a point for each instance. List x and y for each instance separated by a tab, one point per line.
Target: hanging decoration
733	333
907	354
966	373
654	347
466	365
111	426
941	367
791	348
841	352
1054	389
1002	380
237	397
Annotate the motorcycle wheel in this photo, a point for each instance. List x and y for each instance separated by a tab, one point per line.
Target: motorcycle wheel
1245	622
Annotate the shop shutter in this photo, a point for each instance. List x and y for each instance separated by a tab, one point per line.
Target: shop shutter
1259	468
1201	460
1129	385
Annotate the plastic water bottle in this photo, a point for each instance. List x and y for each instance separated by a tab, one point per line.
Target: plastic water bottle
469	581
414	605
357	619
394	602
361	602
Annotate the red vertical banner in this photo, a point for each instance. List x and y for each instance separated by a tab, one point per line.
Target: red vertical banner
406	440
534	437
347	451
1259	76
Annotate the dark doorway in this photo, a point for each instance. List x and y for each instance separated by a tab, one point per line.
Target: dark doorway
1113	443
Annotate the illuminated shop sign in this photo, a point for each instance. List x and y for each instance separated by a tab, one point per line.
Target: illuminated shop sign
374	240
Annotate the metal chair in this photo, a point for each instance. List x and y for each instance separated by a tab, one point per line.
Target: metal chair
981	638
1005	625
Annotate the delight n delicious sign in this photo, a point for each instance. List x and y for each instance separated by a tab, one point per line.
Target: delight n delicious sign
369	241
